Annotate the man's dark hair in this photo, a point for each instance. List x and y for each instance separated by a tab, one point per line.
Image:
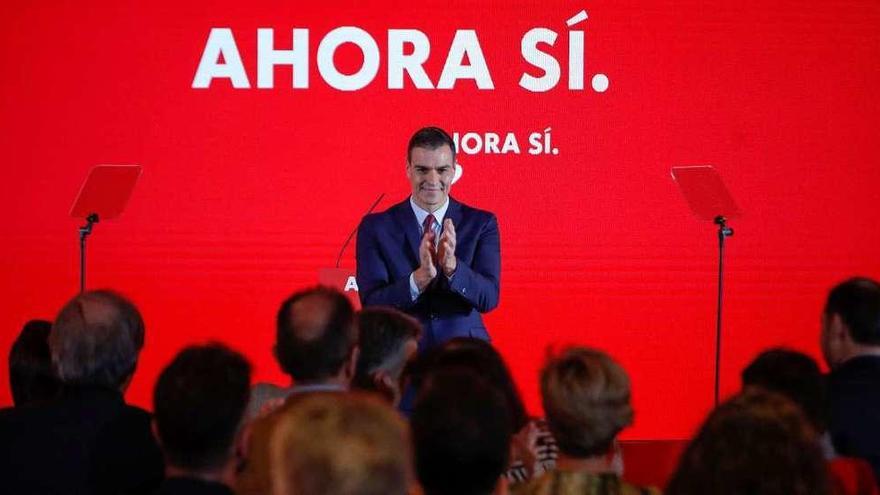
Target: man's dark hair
794	375
31	377
315	333
96	339
461	430
857	301
382	336
759	443
199	401
484	360
430	138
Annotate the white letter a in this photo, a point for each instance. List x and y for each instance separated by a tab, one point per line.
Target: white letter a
220	43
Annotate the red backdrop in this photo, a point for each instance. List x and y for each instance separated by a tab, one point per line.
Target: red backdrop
247	193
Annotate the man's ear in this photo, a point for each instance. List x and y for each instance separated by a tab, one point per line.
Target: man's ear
837	329
351	365
155	429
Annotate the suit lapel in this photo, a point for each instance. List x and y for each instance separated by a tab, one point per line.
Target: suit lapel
453	213
406	221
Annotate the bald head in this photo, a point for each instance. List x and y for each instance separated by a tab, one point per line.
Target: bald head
309	316
96	339
315	334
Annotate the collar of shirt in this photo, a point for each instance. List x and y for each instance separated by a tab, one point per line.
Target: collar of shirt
422	214
318	387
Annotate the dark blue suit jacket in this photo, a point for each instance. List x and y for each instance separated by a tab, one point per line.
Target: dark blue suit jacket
854	400
388	251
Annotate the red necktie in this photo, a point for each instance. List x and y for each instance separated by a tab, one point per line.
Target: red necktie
428	226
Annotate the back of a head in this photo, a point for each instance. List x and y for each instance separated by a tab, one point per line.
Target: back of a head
96	339
383	337
199	401
484	360
335	444
758	443
31	378
857	301
586	397
794	375
315	334
462	429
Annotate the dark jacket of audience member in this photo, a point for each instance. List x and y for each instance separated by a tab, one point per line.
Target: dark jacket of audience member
31	378
461	429
757	443
199	403
586	398
88	440
851	344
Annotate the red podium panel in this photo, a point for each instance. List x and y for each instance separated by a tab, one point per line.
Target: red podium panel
106	191
705	192
342	279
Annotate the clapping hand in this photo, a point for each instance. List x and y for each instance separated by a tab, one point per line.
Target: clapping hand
446	249
427	270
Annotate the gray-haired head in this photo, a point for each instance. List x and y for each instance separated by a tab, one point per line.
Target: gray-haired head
96	339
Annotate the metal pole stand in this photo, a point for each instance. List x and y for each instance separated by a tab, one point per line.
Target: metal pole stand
84	232
723	232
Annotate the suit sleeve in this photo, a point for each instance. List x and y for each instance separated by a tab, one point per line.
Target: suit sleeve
375	286
480	282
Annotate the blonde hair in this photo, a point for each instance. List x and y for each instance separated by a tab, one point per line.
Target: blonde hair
586	397
340	444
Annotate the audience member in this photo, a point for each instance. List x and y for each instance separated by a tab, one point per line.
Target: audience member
88	440
315	344
757	443
31	378
199	403
794	375
797	377
533	449
388	341
851	345
72	432
586	397
333	444
462	429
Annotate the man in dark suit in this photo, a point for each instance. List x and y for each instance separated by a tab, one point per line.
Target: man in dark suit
851	345
88	440
430	255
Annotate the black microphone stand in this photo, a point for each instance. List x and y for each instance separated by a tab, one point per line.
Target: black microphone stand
723	232
353	232
84	232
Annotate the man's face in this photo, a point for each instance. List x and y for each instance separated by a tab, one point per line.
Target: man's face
430	173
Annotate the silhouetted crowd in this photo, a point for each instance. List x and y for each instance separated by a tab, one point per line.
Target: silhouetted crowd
366	413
